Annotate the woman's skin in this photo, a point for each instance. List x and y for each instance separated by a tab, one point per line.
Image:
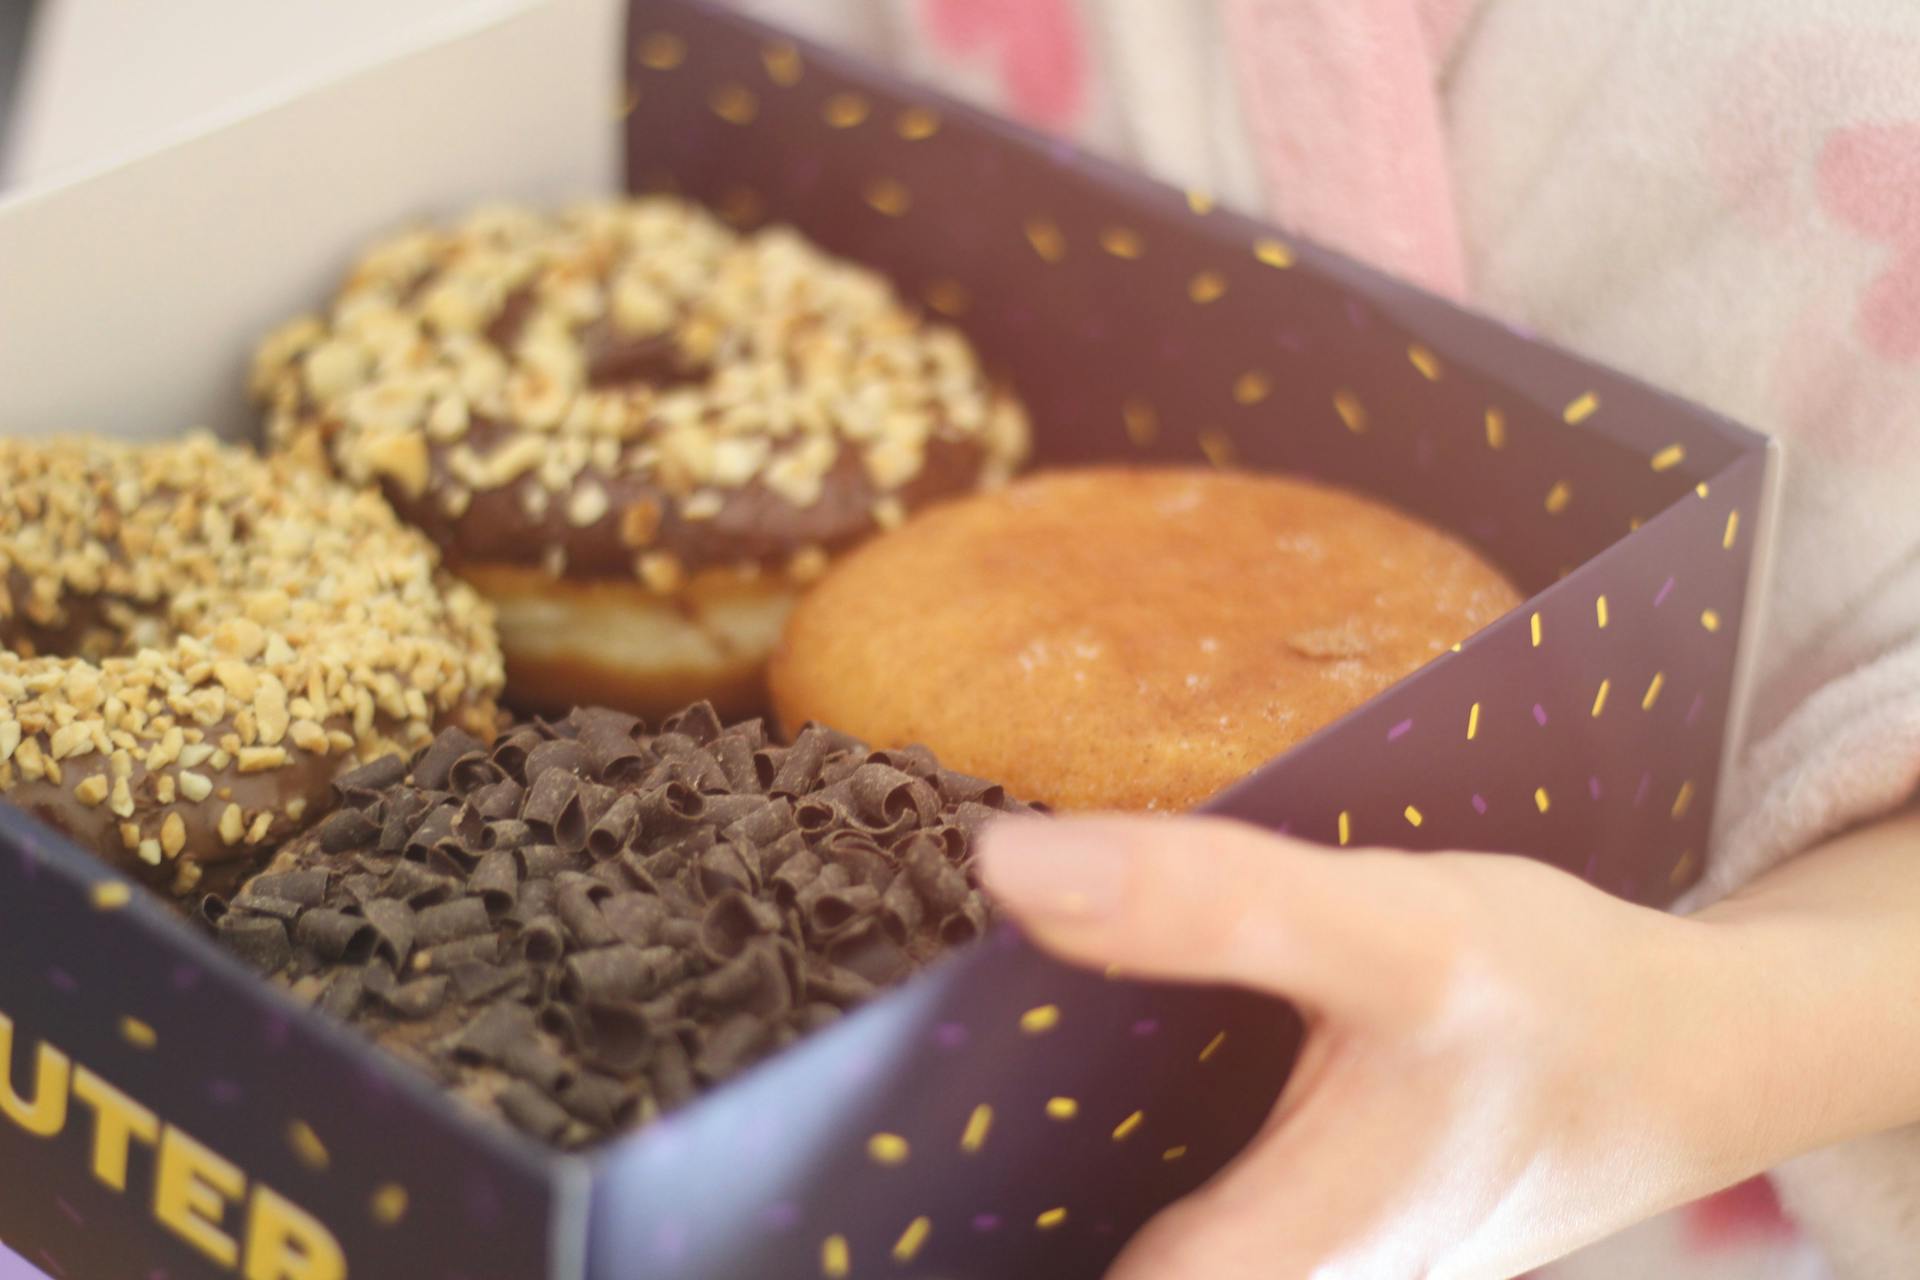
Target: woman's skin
1503	1064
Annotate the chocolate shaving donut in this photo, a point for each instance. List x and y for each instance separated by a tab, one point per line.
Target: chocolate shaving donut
194	641
575	986
635	430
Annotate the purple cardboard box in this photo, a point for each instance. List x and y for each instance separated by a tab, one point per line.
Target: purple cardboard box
164	1114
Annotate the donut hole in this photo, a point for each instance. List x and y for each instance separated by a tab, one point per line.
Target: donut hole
91	628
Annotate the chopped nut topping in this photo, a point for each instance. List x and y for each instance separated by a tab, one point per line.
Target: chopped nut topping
224	591
633	338
660	570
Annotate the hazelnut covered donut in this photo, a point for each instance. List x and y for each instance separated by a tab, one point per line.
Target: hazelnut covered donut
635	430
194	642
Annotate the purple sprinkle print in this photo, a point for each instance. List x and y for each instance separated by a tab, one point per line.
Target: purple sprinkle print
1660	597
1104	1227
986	1222
186	977
224	1092
1593	786
1285	828
1479	804
158	1273
1693	712
52	1266
61	980
1593	865
1540	715
29	865
1172	349
1399	731
1146	1026
782	1215
1486	528
670	1242
72	1213
950	1035
1062	152
1290	340
1356	314
1640	792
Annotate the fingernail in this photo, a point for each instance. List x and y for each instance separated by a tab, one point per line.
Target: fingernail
1063	869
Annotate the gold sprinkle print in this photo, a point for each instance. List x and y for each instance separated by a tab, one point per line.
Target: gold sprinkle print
1541	800
1217	445
979	1123
1733	530
1600	611
1047	241
1710	619
782	62
389	1204
625	101
1213	1045
1351	411
1125	1129
1040	1019
917	124
1122	242
1273	253
1199	201
1473	722
1413	816
306	1144
110	895
949	297
1668	458
662	51
1682	871
1581	407
887	196
1252	387
1425	361
1062	1108
845	110
888	1148
1173	1153
1496	429
1533	629
1600	698
1558	497
1701	488
1653	690
836	1260
1142	423
1051	1219
1208	286
734	103
1346	826
1682	801
138	1034
907	1247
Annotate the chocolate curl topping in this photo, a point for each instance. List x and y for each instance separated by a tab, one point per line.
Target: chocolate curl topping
583	925
433	766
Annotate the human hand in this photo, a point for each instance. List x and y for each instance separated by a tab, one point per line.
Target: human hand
1502	1063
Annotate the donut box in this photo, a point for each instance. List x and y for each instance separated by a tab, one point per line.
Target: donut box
164	1113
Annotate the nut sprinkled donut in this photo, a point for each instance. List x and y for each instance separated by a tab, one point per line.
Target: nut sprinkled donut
635	430
194	642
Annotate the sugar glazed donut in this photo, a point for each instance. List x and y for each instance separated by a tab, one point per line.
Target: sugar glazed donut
634	430
1129	639
194	642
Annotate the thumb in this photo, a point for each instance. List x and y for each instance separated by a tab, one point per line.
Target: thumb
1201	900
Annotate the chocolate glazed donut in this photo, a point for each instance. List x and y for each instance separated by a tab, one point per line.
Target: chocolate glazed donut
194	642
637	432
